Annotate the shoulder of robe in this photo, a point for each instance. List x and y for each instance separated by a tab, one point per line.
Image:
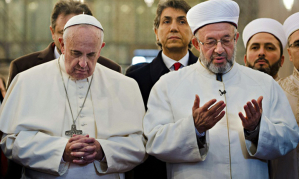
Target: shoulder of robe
255	76
112	75
174	78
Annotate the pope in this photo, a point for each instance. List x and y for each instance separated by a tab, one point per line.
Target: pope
72	117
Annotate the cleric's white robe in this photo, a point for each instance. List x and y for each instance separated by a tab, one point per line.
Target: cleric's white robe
33	115
169	127
288	165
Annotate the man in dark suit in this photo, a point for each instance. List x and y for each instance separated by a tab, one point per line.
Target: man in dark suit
62	12
173	36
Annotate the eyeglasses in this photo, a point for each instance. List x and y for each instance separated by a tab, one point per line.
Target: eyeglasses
226	41
295	44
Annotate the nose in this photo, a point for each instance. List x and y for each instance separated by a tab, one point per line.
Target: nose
174	27
261	51
219	48
82	62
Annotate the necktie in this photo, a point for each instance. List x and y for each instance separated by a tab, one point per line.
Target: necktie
177	66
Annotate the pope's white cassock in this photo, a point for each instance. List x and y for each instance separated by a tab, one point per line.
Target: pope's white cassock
169	125
35	115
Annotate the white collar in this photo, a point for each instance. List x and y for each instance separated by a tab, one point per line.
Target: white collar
169	62
56	53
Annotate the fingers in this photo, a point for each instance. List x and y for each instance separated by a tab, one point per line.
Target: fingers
217	108
220	116
84	158
196	103
242	117
77	137
259	101
207	105
81	139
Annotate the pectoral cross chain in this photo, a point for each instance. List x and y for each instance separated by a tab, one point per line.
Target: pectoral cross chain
73	131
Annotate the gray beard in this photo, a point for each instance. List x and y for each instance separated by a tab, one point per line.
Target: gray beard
218	69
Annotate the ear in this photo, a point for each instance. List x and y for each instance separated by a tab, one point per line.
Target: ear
103	45
289	52
61	45
237	36
195	43
52	32
282	60
245	60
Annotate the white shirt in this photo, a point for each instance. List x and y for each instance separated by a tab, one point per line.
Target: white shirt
56	53
169	62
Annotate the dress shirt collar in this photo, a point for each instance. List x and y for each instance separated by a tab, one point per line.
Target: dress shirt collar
169	62
56	53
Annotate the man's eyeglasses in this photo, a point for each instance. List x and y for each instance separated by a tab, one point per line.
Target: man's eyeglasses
226	41
295	44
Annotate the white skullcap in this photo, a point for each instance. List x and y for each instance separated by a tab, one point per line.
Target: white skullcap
291	24
83	19
264	25
213	11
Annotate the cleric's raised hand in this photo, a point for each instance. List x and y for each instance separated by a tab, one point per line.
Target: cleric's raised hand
253	111
208	115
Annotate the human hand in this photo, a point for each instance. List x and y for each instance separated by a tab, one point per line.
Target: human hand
80	150
208	115
253	112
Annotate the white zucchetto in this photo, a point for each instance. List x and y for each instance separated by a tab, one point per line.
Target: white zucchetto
291	24
267	25
83	19
213	11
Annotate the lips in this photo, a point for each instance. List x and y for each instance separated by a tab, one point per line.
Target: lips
261	62
219	60
174	37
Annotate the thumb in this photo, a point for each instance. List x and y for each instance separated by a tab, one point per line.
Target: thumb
196	103
259	101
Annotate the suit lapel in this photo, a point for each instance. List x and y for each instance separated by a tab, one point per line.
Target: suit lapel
46	55
157	68
192	58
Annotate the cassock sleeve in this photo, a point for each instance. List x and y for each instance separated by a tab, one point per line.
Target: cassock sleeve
21	142
36	150
170	140
278	133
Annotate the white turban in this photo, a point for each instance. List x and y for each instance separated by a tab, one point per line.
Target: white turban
291	24
264	25
83	19
213	11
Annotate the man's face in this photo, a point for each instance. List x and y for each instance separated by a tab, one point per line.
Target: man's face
58	31
263	54
174	32
82	49
294	51
220	57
